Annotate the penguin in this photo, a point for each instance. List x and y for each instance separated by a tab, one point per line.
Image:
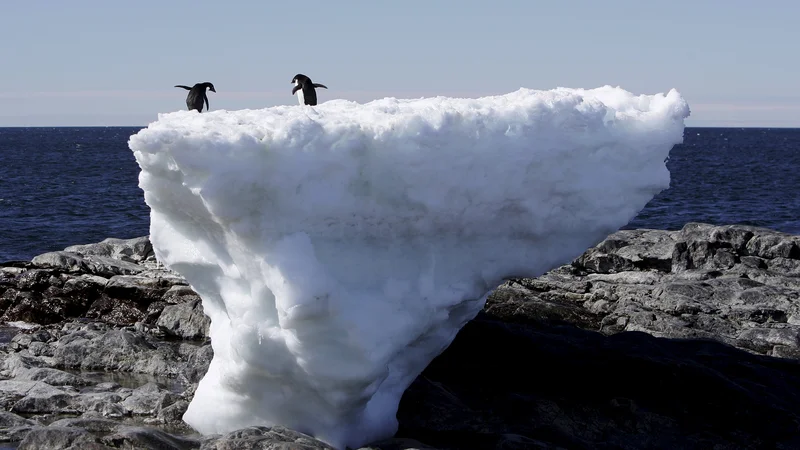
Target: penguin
197	94
307	94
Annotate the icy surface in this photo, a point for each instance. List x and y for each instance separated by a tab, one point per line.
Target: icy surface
339	248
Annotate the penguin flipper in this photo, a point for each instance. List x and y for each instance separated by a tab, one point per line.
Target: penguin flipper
185	87
205	97
295	89
317	85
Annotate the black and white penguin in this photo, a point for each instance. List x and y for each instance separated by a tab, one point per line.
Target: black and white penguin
197	94
306	95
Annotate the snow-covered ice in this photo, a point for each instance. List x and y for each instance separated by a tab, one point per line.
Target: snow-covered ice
339	248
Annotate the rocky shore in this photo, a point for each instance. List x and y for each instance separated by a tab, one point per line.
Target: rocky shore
651	339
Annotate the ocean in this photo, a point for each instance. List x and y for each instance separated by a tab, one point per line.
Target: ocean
65	186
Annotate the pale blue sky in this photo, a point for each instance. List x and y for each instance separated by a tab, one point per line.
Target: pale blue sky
102	62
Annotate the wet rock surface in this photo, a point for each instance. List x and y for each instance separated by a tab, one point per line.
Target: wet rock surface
651	339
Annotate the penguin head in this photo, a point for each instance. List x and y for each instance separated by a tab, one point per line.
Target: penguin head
210	86
300	79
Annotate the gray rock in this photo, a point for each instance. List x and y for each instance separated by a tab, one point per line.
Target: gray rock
148	400
117	281
180	294
197	363
92	424
148	438
737	285
264	438
115	350
9	420
40	349
94	433
53	377
132	250
19	389
108	267
60	438
137	287
42	398
73	262
630	250
185	320
101	404
769	245
14	427
13	434
70	262
173	413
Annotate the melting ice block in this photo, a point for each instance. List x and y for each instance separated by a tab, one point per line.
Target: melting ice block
339	248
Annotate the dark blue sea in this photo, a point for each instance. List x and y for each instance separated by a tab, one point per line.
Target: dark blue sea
65	186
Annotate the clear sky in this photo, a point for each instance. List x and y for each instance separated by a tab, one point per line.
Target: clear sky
101	62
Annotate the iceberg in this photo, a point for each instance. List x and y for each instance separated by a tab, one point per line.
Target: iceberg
339	248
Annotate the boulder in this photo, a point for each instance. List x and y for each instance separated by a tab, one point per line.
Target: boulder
185	320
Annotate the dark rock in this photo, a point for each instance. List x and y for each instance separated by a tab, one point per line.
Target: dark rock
399	444
643	392
116	311
34	307
515	303
36	280
116	281
85	286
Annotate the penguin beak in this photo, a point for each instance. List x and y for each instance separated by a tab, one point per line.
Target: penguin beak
212	89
